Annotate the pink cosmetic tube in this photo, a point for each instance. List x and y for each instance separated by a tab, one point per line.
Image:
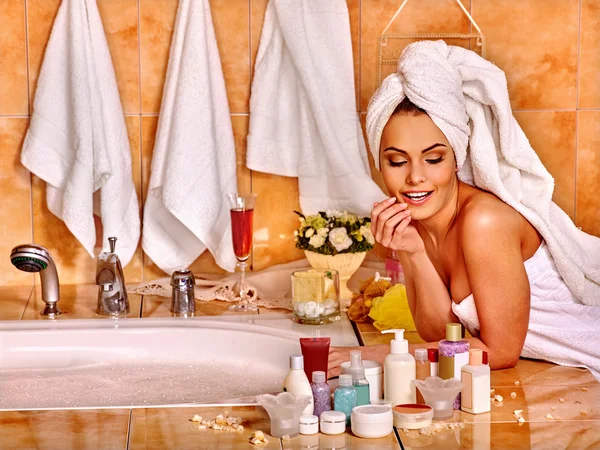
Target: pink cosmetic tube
316	354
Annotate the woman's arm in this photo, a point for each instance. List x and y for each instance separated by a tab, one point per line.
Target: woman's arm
428	297
491	244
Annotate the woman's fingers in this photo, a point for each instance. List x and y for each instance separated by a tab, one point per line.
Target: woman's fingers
399	238
385	216
378	208
392	227
337	355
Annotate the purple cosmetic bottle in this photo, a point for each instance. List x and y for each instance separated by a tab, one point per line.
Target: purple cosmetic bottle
453	354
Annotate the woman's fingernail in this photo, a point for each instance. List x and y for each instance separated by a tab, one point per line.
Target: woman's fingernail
391	199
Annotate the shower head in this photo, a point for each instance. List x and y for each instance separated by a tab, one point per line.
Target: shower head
30	258
35	258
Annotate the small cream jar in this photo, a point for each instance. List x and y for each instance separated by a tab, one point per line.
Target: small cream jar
412	416
309	425
333	422
372	421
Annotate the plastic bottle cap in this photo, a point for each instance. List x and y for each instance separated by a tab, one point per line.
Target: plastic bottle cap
399	345
345	380
318	376
357	370
297	362
484	357
421	354
453	332
475	357
433	354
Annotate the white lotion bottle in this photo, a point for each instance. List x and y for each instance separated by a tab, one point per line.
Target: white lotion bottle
475	377
399	370
297	383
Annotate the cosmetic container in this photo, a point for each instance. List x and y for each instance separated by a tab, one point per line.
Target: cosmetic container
316	354
321	393
359	381
454	354
284	411
333	422
423	367
344	397
433	356
296	382
399	370
308	424
372	421
475	398
373	374
412	416
440	395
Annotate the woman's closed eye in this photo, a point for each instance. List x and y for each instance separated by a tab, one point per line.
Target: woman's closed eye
396	163
435	161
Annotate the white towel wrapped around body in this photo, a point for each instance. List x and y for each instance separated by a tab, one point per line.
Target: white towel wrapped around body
303	119
194	162
77	139
467	98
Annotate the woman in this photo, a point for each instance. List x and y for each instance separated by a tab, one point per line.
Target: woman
467	255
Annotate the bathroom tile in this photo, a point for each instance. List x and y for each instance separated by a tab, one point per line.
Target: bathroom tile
257	15
540	63
13	64
550	434
589	55
231	19
588	172
157	306
14	299
73	263
171	428
552	136
157	21
40	18
66	429
205	262
120	21
435	16
344	441
76	302
376	338
530	372
15	188
275	220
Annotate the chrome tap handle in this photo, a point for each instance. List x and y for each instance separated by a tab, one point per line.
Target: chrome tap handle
113	243
183	301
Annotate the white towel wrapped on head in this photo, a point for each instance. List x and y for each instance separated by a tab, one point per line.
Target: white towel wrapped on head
193	164
77	139
303	119
467	98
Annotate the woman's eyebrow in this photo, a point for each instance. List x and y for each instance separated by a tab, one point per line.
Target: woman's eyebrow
399	150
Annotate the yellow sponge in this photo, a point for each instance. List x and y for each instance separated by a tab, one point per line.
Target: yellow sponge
392	310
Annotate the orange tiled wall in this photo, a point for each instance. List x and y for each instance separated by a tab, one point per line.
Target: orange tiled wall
549	49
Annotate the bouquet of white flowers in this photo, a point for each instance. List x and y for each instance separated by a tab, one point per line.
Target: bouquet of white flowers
334	232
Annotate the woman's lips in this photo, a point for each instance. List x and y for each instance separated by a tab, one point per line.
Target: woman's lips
417	202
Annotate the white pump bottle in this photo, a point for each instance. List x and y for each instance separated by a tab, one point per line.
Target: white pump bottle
399	370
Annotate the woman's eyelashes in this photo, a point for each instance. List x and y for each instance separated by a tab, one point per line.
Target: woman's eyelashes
401	163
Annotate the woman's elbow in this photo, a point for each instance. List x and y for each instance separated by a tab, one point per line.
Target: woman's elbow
499	360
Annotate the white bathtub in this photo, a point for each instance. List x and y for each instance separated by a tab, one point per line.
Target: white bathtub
148	362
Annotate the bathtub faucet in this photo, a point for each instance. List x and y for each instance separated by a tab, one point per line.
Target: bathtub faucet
112	293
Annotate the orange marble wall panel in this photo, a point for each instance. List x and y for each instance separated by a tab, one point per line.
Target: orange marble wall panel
13	63
40	18
552	136
588	172
231	19
274	220
73	262
15	189
589	57
535	43
432	16
157	20
120	20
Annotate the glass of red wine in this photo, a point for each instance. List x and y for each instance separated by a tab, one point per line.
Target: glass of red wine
241	208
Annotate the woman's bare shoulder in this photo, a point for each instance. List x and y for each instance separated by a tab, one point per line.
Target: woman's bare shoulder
481	211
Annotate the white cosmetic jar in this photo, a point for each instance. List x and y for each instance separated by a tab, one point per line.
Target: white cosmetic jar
373	374
308	425
372	421
333	422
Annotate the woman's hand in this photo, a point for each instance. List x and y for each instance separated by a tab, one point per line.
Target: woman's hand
338	355
390	224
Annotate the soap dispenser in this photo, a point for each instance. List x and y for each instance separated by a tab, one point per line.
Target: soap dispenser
359	381
399	370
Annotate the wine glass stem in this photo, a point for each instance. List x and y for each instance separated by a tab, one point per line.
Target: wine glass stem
243	287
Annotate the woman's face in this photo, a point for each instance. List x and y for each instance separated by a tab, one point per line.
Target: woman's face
417	164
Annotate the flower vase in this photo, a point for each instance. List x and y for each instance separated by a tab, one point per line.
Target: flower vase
345	263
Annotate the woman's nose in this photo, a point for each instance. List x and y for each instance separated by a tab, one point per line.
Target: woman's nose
415	176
